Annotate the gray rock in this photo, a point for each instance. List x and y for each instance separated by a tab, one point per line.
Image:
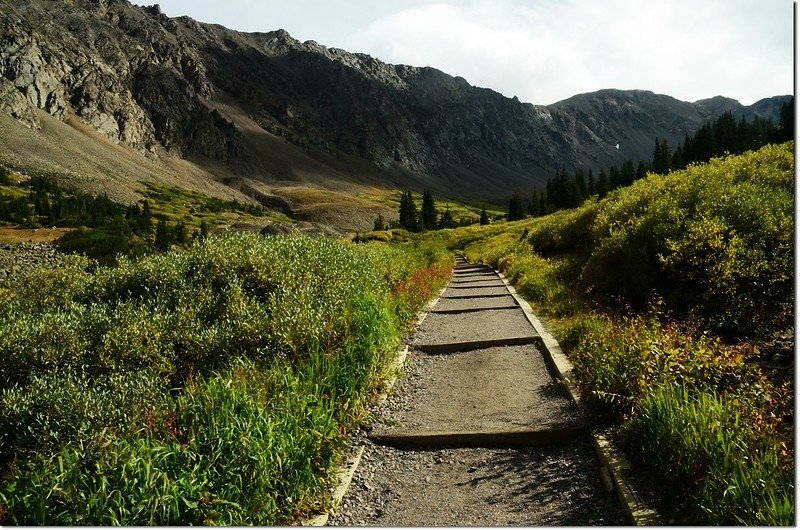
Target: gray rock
16	105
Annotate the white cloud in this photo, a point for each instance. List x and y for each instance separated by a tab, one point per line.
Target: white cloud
548	50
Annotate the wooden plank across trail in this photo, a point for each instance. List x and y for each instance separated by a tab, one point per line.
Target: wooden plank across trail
478	432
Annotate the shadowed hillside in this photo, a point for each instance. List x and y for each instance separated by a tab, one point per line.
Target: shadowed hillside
247	113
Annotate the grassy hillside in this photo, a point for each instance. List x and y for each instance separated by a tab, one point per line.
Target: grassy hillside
468	211
209	386
674	298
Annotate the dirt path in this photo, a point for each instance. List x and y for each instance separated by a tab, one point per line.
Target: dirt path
477	432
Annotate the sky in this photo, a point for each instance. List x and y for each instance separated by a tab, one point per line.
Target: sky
543	51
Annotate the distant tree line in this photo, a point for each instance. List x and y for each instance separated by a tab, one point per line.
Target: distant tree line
51	205
105	227
715	138
426	218
725	135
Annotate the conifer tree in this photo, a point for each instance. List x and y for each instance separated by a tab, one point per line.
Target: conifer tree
181	233
662	157
627	173
531	204
428	211
408	212
162	241
516	207
580	184
203	230
379	223
543	209
786	123
602	184
641	171
147	219
447	220
484	216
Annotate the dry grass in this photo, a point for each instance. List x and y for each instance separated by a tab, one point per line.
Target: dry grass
335	208
31	235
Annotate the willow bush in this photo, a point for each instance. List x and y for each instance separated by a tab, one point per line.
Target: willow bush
208	386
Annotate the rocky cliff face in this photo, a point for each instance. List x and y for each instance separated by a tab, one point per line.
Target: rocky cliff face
204	92
116	67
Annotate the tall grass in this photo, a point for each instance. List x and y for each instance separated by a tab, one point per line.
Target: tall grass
702	438
212	386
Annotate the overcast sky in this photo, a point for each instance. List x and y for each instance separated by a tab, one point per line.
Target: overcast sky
544	51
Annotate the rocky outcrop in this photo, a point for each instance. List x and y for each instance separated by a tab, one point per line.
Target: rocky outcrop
204	92
19	259
15	104
117	68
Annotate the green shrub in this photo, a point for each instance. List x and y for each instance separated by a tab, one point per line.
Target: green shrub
66	407
101	244
714	240
206	386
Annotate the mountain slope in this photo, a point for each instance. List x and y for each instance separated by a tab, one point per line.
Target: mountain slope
258	111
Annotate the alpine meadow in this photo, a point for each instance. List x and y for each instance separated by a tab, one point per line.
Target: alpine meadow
250	279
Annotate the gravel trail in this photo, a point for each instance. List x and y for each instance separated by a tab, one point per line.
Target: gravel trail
539	486
475	390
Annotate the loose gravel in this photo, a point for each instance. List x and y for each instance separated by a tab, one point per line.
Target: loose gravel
542	486
554	485
490	390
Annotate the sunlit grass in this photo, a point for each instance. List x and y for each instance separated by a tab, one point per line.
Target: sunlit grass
210	386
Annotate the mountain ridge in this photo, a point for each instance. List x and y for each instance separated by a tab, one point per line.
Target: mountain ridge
259	110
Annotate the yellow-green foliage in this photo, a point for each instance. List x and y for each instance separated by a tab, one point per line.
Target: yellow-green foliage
191	207
206	386
713	245
715	241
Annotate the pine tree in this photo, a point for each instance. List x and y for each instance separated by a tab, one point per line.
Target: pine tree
447	220
484	216
602	184
203	230
163	238
428	211
147	219
181	233
613	178
725	134
533	204
786	123
627	174
580	184
379	223
543	209
662	157
408	212
516	207
641	171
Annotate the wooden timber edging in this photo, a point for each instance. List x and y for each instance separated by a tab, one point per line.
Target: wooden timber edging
523	438
615	462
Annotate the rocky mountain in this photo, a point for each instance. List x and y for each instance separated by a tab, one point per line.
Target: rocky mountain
258	111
